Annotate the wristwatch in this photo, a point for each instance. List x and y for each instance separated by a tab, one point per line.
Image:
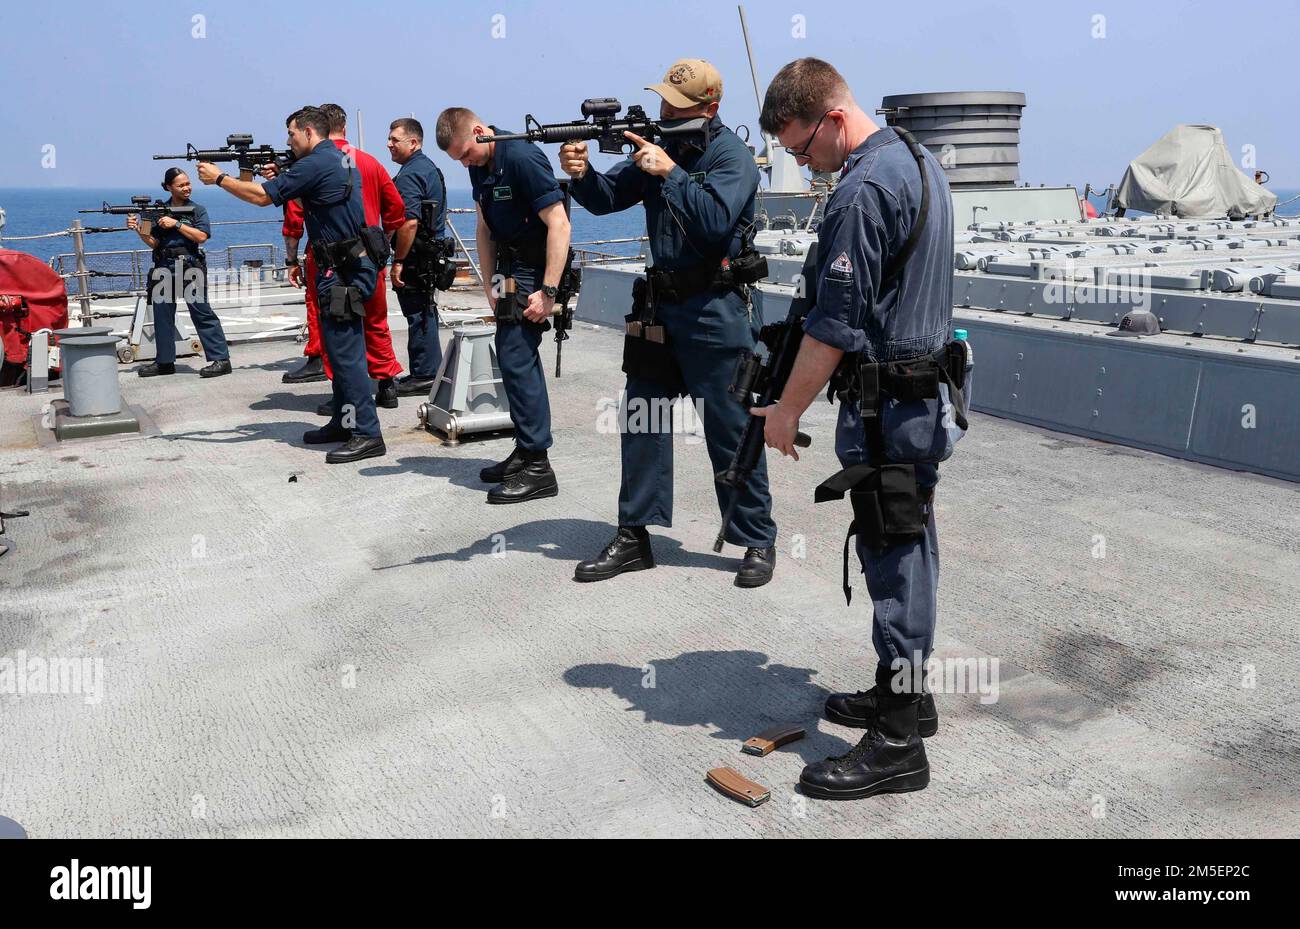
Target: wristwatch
549	291
291	262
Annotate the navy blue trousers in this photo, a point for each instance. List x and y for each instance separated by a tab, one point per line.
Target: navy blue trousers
522	373
353	399
525	383
903	580
707	333
189	282
423	349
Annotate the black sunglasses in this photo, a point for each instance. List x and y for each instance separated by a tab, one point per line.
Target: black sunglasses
803	151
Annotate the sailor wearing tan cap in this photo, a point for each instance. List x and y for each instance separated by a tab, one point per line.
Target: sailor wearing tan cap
690	319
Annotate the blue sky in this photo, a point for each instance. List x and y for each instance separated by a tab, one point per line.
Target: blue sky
110	83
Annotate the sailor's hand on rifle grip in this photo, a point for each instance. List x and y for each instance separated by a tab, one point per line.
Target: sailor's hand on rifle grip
574	159
268	171
781	430
539	307
133	222
649	157
208	172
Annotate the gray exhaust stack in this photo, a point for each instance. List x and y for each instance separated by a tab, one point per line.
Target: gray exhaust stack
975	135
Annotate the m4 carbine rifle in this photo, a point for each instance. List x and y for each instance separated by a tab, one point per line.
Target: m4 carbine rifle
431	258
766	377
149	211
239	148
607	128
562	315
146	208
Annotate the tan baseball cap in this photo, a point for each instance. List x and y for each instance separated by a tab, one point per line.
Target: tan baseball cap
690	82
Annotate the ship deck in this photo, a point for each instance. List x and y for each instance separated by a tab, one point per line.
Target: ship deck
296	649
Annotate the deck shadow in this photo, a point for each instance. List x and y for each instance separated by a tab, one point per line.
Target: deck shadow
292	403
570	540
739	692
463	472
288	433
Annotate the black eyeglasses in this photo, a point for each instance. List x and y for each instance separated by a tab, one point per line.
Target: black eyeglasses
802	152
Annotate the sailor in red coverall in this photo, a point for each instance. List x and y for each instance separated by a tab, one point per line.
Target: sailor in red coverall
383	204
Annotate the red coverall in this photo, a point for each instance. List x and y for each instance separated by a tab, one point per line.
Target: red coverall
382	202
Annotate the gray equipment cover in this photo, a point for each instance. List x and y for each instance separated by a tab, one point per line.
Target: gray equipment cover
1190	173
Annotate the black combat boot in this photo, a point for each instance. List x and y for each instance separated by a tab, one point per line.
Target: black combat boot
313	369
414	386
629	551
757	567
503	470
533	481
153	369
216	369
859	709
356	448
889	759
386	394
326	435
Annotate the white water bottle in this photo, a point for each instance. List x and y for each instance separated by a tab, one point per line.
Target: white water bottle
960	336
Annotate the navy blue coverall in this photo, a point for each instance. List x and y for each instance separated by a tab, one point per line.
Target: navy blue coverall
330	190
417	180
179	271
517	185
695	216
868	218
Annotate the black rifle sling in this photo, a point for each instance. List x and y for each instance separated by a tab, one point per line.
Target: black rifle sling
897	262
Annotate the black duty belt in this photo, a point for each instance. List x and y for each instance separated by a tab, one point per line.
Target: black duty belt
170	253
889	505
338	254
680	284
908	380
530	253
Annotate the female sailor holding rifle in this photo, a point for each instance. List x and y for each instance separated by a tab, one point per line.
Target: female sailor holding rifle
179	268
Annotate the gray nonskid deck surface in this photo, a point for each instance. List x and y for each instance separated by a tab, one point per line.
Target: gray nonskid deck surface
495	696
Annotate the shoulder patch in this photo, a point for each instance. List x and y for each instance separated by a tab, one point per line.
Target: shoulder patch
842	265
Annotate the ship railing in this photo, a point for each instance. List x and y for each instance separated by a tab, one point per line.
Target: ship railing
117	273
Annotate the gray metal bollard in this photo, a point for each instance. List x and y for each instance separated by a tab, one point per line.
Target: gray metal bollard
90	375
76	332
